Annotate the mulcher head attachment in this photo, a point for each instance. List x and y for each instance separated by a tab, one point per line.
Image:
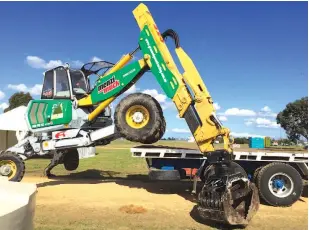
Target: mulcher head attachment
228	196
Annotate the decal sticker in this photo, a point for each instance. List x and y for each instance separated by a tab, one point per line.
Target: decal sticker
156	60
60	134
108	86
57	111
128	73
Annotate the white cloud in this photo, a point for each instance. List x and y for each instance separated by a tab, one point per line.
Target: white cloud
2	95
177	116
238	112
216	106
234	134
3	105
95	59
154	93
266	109
248	123
262	123
167	105
132	89
267	112
34	90
180	130
39	63
222	118
161	98
20	87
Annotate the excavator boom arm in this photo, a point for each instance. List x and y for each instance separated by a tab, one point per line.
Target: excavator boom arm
197	110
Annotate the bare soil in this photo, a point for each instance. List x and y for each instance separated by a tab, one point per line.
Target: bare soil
72	203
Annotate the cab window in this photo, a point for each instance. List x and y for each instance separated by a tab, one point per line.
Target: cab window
48	86
62	83
79	85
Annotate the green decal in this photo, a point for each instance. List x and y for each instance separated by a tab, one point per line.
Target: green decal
164	76
44	113
111	84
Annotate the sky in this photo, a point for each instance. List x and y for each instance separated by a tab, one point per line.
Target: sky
252	56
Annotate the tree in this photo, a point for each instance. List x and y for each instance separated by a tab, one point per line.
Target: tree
241	140
18	99
294	119
284	141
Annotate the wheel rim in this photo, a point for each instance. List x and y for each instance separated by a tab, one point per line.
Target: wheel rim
8	168
281	185
137	116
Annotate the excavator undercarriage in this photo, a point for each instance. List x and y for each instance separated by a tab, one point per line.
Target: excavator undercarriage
72	115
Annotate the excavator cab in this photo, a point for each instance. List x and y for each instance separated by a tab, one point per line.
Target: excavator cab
64	83
61	86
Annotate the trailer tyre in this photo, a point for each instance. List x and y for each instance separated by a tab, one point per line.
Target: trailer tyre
139	118
279	184
255	174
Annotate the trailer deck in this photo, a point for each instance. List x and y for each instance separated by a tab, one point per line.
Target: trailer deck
152	151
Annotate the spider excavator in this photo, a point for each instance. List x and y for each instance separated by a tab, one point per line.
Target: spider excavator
71	115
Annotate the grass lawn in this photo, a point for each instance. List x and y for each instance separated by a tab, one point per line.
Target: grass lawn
114	160
108	163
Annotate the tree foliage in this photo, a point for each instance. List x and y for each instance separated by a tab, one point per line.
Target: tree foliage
284	141
241	140
18	99
294	119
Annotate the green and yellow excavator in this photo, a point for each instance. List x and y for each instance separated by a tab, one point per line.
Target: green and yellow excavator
72	115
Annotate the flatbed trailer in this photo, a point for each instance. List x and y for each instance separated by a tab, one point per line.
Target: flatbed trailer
279	176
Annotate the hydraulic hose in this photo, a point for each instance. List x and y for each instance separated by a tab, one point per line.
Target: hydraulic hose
171	33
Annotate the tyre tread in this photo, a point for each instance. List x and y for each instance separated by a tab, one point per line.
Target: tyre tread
259	181
158	128
19	163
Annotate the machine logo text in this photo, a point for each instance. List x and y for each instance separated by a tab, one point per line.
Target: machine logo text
109	85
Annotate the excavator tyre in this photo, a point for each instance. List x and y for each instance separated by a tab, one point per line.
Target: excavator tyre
139	118
71	160
12	166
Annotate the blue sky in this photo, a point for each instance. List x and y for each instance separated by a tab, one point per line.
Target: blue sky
252	55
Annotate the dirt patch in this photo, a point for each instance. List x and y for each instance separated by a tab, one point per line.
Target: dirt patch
103	204
132	209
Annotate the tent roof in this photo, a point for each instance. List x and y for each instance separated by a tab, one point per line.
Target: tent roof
14	120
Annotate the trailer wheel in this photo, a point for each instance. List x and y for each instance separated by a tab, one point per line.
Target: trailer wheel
279	184
12	166
255	174
71	159
139	118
